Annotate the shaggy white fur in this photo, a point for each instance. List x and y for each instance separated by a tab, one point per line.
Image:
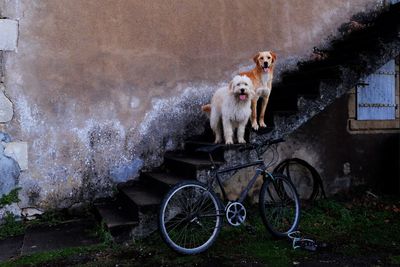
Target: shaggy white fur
231	105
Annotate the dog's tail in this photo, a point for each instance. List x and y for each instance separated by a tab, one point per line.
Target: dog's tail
206	108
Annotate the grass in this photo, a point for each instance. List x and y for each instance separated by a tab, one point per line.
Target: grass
360	227
39	259
358	231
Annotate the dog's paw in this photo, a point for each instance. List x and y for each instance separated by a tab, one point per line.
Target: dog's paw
242	141
228	142
217	141
262	124
254	125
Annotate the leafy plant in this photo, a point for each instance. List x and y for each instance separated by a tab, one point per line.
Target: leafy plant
104	235
10	198
10	226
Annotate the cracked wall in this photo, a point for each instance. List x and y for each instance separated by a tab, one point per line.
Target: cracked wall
102	88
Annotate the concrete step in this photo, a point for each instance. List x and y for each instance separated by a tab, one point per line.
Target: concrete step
282	101
139	198
316	70
186	165
115	215
308	87
118	219
164	179
161	181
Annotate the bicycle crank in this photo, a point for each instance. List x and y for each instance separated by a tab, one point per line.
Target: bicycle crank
235	213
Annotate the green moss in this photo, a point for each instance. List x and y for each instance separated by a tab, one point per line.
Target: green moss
10	226
10	198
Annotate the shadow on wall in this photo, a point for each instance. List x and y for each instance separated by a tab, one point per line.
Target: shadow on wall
343	159
388	178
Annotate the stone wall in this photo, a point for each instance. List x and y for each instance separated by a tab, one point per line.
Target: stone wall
100	89
342	158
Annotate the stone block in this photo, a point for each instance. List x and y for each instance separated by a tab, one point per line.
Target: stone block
6	106
8	34
19	152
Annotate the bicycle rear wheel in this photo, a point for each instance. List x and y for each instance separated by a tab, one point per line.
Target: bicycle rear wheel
279	205
190	218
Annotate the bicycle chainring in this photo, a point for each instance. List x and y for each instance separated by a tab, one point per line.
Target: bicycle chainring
235	213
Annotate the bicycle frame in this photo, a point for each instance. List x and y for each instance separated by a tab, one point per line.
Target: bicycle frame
261	170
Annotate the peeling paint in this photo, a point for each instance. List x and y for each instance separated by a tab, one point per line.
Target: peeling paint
108	98
9	172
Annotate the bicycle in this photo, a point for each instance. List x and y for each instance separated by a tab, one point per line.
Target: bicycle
191	213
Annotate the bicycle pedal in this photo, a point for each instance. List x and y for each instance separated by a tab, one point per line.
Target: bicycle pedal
308	245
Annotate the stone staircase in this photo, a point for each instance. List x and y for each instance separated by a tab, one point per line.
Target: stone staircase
298	96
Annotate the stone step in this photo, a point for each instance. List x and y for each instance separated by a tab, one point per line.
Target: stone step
139	198
192	145
307	87
187	165
118	219
161	181
282	101
313	71
113	214
165	178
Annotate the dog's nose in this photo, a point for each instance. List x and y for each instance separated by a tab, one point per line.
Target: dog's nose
265	64
242	90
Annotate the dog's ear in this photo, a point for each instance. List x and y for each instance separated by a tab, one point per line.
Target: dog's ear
273	56
255	58
252	92
230	87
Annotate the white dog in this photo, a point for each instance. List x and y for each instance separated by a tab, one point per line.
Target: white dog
232	105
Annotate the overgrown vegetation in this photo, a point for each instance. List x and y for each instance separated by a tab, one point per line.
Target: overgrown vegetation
10	198
361	231
10	226
13	226
103	234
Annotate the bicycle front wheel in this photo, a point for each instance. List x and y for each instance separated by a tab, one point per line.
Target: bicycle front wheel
279	205
190	218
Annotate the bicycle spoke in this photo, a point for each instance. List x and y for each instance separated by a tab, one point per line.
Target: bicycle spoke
279	202
191	218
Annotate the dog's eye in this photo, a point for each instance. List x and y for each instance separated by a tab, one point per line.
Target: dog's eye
245	84
269	57
261	58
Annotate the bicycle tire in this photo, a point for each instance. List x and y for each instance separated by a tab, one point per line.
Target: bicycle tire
186	212
275	195
317	186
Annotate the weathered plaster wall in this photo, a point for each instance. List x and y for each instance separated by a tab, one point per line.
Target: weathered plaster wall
344	159
101	88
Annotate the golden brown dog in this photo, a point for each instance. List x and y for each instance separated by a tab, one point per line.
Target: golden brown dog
261	76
